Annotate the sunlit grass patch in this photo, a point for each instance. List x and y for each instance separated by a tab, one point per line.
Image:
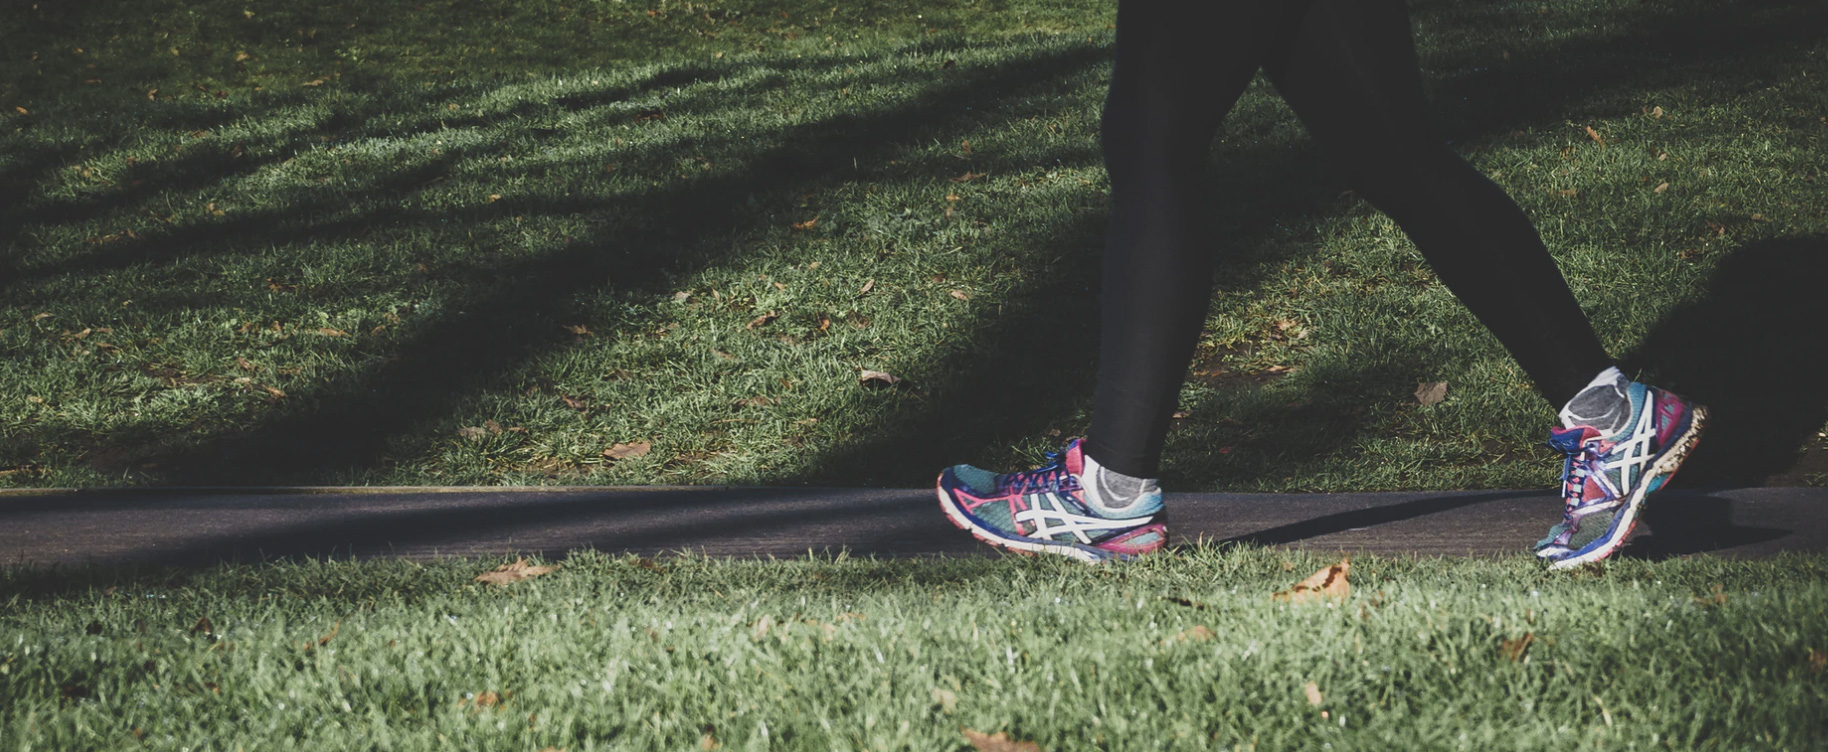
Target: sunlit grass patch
1181	652
368	253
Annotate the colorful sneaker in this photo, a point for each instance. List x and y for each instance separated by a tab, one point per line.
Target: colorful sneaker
1043	511
1607	478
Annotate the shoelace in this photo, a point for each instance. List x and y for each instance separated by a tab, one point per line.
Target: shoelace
1050	476
1589	465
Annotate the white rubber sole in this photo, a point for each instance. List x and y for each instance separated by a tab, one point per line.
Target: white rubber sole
1665	465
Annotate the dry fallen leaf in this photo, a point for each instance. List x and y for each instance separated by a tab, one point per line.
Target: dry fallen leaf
1661	187
328	332
867	286
997	742
1330	583
1199	633
1431	393
709	743
1312	690
1515	649
578	329
1656	112
946	699
574	403
1716	598
625	451
879	377
1593	134
22	110
515	572
807	225
473	433
1818	661
967	177
961	294
763	319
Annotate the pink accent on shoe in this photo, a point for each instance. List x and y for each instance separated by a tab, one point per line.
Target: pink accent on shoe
1668	416
1143	540
1075	458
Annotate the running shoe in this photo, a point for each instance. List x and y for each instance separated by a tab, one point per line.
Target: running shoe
1044	511
1607	478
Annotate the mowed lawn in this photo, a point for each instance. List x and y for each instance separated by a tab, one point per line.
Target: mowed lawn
543	242
1184	652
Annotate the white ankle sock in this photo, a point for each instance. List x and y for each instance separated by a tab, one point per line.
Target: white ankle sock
1603	404
1113	494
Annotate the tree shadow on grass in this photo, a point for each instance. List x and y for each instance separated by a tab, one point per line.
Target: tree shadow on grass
456	357
1754	349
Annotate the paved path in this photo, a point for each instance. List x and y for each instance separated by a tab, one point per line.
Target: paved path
196	526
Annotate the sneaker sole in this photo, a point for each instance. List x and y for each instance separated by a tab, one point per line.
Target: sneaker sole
1024	546
1665	467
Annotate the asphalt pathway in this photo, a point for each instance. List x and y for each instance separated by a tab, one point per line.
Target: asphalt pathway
203	526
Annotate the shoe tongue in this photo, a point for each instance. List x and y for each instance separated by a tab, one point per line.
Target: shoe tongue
1074	459
1569	440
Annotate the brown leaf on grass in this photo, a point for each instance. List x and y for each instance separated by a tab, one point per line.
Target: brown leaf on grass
313	82
967	177
473	433
961	294
1818	661
1593	134
1431	393
1568	192
334	628
625	451
965	146
807	225
708	743
1661	187
22	110
1514	650
1656	112
763	320
203	626
1199	633
1326	584
43	316
946	699
1312	691
515	572
760	628
575	403
1716	598
877	377
243	364
328	332
824	323
997	742
578	329
494	427
867	286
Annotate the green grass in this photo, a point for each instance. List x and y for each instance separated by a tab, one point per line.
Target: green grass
849	654
317	241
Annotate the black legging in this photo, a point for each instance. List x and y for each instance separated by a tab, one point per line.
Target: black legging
1348	69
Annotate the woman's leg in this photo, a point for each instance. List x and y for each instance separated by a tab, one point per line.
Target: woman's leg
1180	67
1350	73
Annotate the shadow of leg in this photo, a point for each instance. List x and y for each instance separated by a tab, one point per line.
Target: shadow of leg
1754	351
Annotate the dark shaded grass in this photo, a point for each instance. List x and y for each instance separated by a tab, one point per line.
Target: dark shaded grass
987	390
